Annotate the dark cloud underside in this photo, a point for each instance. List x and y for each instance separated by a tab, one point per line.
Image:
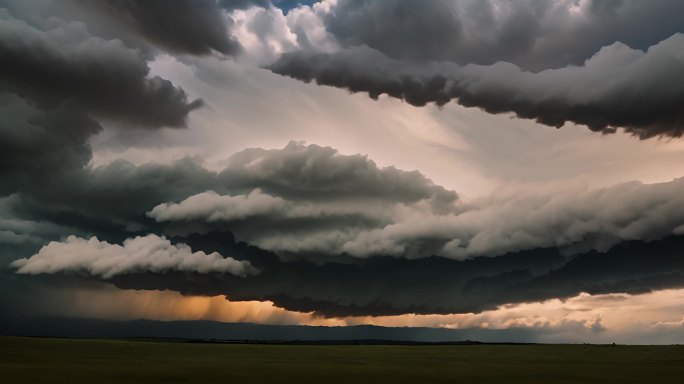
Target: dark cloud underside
617	87
188	26
66	66
389	286
534	35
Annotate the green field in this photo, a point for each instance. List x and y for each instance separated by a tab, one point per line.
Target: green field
33	360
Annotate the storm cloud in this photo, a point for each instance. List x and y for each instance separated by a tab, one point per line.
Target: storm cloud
382	286
534	35
195	27
573	220
309	227
618	87
384	248
65	66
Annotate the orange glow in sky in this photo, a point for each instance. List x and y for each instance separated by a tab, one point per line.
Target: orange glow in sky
615	312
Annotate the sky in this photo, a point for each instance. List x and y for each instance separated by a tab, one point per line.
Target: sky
491	167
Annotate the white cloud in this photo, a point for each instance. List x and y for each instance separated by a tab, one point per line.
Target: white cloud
211	206
149	253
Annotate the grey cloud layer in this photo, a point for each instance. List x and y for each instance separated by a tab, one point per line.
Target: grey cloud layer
399	218
313	172
307	188
534	35
573	220
617	87
121	193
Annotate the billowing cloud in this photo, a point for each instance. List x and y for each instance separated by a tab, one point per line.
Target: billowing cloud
212	207
617	87
141	254
304	198
315	207
534	35
190	26
339	187
35	144
306	227
64	65
320	173
573	219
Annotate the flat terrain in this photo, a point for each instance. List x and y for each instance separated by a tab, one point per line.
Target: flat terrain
37	360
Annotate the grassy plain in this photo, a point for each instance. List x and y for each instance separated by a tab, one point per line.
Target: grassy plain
42	360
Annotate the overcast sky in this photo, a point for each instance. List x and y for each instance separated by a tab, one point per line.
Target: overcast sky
463	164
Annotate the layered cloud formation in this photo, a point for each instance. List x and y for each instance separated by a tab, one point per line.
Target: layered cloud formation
617	87
607	77
574	220
309	227
530	34
396	246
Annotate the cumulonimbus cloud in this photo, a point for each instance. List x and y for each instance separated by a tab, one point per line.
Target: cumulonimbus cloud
149	253
618	87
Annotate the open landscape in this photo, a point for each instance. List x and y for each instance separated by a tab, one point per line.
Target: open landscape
42	360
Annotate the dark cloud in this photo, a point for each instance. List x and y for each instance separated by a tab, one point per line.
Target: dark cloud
617	87
304	199
65	66
44	157
58	84
305	189
189	26
37	145
573	219
389	286
531	34
120	193
320	173
111	202
337	235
